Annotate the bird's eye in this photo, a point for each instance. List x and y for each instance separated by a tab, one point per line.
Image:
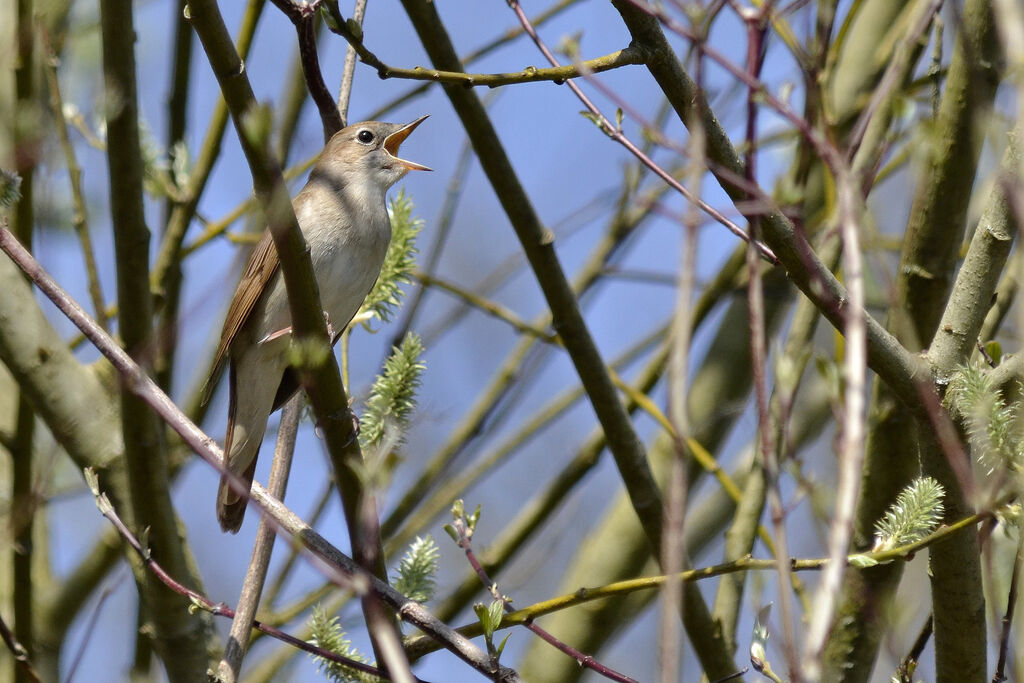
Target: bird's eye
365	137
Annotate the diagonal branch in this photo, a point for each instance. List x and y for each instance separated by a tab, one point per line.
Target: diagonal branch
900	369
331	560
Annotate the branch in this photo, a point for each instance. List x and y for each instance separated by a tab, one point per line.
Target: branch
256	574
303	15
886	356
536	241
976	281
1007	620
198	600
625	57
419	645
19	652
616	134
180	641
463	529
487	306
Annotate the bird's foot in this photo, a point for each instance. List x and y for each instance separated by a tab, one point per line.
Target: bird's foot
276	335
330	328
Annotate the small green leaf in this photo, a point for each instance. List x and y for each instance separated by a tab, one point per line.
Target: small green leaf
308	353
994	350
497	612
257	124
328	16
473	518
91	480
144	544
483	615
354	28
759	639
501	647
861	561
593	118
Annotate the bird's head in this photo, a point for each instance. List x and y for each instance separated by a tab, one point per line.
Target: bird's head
370	148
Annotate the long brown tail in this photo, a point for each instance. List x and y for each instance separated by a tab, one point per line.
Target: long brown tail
230	505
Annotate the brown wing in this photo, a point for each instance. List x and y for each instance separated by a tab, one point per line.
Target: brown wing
262	265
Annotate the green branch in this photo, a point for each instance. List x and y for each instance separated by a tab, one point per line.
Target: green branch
420	645
353	34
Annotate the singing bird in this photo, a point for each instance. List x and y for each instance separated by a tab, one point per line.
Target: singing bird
344	219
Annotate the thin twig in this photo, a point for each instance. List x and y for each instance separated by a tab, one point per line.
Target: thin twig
199	600
263	546
303	16
487	306
559	74
673	553
583	595
18	651
1007	620
615	133
89	630
288	565
909	664
585	661
79	219
348	71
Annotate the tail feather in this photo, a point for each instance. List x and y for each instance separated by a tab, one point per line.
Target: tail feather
246	425
231	505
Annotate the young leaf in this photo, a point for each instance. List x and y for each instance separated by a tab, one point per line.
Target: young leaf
328	634
915	514
393	397
417	570
384	298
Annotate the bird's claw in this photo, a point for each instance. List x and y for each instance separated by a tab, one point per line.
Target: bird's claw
275	335
330	327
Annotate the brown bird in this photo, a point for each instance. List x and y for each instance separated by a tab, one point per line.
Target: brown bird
343	216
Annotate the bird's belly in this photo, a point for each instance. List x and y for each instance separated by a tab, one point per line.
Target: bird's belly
344	282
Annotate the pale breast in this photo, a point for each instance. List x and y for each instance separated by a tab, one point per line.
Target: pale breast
346	254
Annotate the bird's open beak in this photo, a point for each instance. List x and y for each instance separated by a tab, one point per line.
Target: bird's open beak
393	141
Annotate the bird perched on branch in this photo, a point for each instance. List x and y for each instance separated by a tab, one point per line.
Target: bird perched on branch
344	219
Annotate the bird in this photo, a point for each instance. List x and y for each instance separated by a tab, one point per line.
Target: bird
343	216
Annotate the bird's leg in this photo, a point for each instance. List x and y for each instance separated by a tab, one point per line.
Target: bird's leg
288	330
330	327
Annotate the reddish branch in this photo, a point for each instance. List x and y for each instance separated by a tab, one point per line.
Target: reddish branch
615	133
584	660
302	15
18	651
219	609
